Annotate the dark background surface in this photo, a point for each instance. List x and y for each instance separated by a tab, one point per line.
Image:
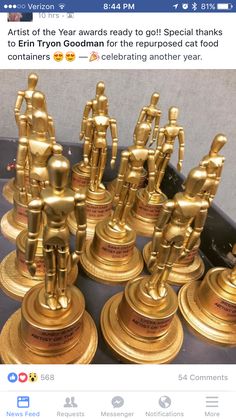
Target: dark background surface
216	243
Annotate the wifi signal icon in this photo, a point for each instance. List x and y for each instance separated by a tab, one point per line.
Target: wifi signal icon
61	6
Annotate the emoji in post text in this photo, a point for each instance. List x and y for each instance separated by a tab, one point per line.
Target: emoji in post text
58	56
70	56
94	56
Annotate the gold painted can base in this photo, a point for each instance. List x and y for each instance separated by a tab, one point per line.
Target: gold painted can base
15	351
111	257
202	320
8	190
80	177
9	228
181	273
16	285
132	349
144	214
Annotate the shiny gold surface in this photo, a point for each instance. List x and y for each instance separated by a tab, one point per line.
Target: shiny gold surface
16	284
98	207
111	257
34	147
145	212
52	326
150	115
165	145
55	203
112	185
15	220
191	268
80	177
8	190
139	329
36	335
209	306
81	172
171	238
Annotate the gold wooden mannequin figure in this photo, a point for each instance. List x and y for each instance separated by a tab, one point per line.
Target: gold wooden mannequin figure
81	171
39	146
96	133
99	200
26	96
169	238
209	306
111	256
52	326
90	109
213	162
150	114
165	145
56	201
130	171
23	96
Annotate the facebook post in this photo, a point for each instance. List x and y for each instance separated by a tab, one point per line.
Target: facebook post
118	234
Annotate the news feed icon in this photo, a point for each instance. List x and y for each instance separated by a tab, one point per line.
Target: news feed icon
23	402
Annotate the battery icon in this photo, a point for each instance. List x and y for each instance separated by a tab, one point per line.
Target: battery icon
224	6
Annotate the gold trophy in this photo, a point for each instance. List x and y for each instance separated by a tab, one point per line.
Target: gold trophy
147	206
22	97
141	325
52	326
148	114
191	266
81	171
209	306
98	200
111	256
15	278
34	147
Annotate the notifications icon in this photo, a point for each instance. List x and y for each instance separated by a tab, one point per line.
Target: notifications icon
117	402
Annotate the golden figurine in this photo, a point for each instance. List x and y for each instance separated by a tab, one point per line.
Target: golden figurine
171	238
52	326
99	200
23	97
15	278
141	325
191	267
81	171
148	114
35	149
209	306
149	203
165	145
112	257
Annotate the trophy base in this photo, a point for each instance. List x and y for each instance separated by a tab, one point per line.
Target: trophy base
9	228
205	324
128	348
144	214
111	274
15	285
180	273
80	177
98	208
8	190
15	351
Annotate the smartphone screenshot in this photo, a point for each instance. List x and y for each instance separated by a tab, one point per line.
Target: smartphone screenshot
117	208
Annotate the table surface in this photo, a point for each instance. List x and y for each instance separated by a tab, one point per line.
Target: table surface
194	350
